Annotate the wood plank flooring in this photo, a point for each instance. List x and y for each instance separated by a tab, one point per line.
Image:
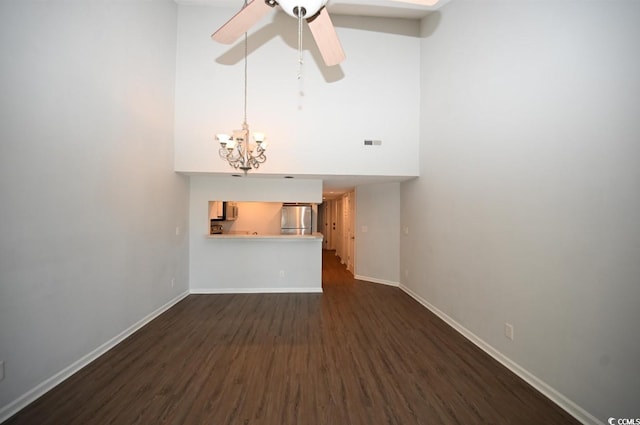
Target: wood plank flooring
358	354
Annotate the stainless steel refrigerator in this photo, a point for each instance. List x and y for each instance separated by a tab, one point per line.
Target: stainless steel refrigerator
296	219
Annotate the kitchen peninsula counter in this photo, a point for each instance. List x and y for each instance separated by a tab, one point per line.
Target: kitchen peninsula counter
242	262
274	237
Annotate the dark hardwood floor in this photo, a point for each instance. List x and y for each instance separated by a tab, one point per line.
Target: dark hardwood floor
360	353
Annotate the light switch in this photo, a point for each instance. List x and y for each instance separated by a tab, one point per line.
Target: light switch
364	229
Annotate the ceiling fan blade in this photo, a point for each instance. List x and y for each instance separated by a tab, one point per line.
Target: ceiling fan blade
420	2
324	33
242	21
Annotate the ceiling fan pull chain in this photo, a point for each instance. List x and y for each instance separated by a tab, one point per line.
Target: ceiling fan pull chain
300	61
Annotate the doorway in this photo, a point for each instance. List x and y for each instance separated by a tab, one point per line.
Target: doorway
337	218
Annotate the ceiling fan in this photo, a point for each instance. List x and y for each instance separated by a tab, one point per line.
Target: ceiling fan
313	11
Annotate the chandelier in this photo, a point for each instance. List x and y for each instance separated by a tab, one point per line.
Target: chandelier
242	149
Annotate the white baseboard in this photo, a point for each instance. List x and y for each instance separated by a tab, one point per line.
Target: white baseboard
376	280
563	402
32	395
205	291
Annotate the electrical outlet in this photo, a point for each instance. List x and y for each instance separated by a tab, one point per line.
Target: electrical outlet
173	282
281	273
508	331
1	370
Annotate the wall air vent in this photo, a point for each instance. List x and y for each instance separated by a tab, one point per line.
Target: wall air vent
372	142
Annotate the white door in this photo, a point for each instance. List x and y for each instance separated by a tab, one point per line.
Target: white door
350	219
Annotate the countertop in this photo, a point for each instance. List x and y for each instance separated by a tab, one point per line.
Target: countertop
276	237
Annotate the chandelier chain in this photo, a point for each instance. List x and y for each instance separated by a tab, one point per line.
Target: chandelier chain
237	150
245	76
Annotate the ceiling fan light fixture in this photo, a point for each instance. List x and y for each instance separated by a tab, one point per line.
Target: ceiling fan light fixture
313	11
308	7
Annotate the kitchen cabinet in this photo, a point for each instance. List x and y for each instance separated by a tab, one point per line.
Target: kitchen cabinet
216	210
223	210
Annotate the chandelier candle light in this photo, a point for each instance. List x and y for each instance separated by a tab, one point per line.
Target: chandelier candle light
238	149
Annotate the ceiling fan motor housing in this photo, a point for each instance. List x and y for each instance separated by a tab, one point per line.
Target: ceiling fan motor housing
308	7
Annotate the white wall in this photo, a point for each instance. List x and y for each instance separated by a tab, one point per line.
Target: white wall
90	202
374	94
251	189
527	207
377	233
218	266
